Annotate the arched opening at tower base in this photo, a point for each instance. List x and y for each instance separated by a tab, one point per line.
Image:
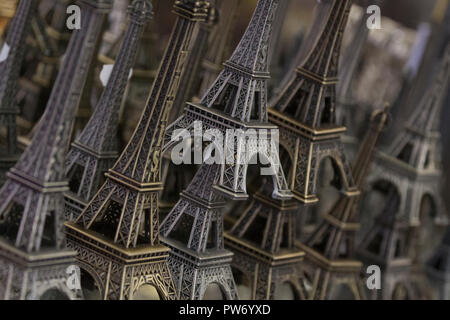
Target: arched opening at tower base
146	292
243	284
285	291
89	286
213	292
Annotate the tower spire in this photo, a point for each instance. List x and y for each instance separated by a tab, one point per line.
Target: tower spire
96	148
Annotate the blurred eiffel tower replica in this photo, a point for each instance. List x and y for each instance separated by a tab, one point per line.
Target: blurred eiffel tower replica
33	256
412	162
388	244
96	148
419	71
412	169
438	269
236	100
176	178
47	40
266	263
8	83
122	218
305	108
331	271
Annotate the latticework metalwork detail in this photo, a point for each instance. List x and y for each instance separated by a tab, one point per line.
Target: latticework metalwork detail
125	209
95	150
305	108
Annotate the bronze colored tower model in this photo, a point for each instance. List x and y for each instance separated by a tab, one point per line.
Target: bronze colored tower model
236	100
96	149
330	267
117	235
33	257
9	78
305	108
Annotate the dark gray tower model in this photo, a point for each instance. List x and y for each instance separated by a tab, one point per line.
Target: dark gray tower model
95	150
32	254
9	77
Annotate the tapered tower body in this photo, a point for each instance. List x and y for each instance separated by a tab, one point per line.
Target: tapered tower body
121	220
96	149
31	201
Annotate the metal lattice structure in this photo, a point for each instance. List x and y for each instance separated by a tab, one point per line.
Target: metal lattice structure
219	46
121	220
330	266
263	243
194	232
96	149
31	201
9	80
305	108
412	162
236	100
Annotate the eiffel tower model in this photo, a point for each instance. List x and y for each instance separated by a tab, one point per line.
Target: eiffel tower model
263	243
32	252
9	78
331	271
305	107
117	234
96	148
236	100
49	37
412	162
438	269
388	244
